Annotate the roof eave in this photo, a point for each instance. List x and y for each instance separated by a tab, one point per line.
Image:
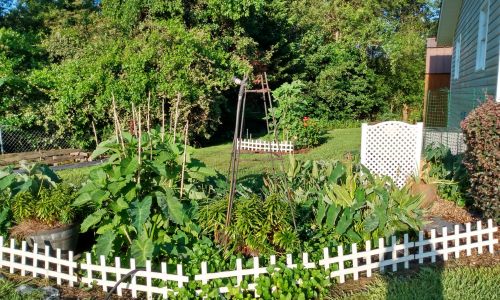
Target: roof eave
448	20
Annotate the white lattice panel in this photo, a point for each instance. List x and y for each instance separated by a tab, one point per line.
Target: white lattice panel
264	146
392	149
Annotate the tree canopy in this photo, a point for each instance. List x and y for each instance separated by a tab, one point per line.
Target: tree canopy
62	61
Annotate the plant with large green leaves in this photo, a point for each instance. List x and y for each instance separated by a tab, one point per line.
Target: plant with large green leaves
343	203
137	198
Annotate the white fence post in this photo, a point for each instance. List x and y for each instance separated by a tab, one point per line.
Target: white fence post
24	260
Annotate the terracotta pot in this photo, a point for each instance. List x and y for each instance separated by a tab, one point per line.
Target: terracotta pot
64	238
427	191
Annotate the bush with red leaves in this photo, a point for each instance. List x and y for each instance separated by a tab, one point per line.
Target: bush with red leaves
482	157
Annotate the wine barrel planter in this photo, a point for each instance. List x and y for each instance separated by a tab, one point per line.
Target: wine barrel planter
64	238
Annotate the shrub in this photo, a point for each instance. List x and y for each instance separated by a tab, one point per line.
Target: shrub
481	129
293	116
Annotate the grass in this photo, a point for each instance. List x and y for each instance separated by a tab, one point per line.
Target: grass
464	282
338	143
8	291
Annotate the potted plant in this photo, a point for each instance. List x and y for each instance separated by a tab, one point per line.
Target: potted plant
40	206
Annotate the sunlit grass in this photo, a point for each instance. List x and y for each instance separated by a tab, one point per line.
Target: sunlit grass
435	283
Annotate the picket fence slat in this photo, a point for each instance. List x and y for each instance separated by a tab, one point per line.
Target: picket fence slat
349	261
264	146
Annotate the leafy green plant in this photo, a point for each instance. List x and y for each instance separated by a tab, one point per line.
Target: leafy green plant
292	114
137	201
482	137
50	206
449	172
259	226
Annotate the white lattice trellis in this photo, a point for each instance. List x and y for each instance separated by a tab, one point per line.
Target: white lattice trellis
392	148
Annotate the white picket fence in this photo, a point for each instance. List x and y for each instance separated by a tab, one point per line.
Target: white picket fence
264	146
344	261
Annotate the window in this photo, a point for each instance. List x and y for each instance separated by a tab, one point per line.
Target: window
456	57
482	36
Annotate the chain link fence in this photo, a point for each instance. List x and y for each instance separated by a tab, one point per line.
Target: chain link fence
15	140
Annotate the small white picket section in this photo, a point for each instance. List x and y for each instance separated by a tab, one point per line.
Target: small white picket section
264	146
343	262
140	281
38	264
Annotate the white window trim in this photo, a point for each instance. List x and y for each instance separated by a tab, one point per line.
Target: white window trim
456	57
481	55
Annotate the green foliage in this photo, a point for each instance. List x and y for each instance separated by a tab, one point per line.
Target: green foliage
258	226
60	61
298	283
450	173
136	198
482	137
49	206
292	118
339	203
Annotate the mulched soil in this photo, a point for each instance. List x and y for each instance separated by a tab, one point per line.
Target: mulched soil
449	211
28	227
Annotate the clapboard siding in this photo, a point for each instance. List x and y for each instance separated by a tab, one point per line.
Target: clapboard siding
469	90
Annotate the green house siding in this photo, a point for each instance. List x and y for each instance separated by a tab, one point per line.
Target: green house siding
469	90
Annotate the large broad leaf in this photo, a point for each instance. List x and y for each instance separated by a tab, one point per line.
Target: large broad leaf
142	250
370	223
140	212
82	199
321	212
337	173
171	206
331	215
128	166
6	181
99	196
98	176
104	245
92	219
115	187
344	222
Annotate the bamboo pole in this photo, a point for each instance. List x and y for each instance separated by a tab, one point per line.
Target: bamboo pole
176	117
149	127
184	159
95	133
118	123
162	120
134	120
139	143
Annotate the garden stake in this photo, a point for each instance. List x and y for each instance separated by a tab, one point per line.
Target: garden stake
118	123
176	117
162	119
95	133
149	128
139	144
184	158
134	121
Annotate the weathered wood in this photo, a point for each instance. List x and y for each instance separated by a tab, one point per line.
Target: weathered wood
58	156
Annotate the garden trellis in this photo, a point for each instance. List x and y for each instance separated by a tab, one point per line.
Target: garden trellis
392	148
343	262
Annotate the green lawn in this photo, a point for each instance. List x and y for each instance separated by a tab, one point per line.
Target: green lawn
462	282
337	143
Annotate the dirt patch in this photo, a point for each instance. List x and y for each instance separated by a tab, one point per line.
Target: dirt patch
29	227
449	211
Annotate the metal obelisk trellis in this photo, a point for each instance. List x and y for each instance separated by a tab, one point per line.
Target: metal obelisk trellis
273	148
